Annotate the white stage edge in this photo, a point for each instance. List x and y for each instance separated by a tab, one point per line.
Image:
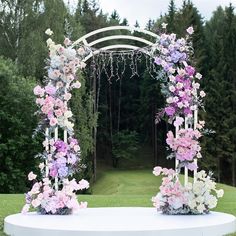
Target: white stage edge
123	221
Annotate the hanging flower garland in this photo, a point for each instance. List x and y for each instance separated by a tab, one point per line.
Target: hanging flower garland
55	193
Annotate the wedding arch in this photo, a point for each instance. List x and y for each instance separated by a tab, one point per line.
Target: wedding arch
56	193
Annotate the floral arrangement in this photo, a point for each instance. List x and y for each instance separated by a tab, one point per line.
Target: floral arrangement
55	193
194	198
181	89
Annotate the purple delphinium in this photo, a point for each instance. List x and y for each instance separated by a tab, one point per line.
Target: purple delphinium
63	171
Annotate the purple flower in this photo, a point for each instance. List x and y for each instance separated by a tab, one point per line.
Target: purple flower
170	111
72	159
190	70
73	141
61	161
63	171
158	60
187	111
192	166
61	146
175	56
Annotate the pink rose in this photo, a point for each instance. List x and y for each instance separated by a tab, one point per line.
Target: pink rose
51	90
157	170
38	91
53	121
67	96
58	112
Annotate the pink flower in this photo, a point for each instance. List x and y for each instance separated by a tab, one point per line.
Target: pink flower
35	203
25	208
67	96
40	101
83	184
178	121
83	205
51	90
58	112
157	170
53	121
190	30
202	94
31	176
190	70
38	91
67	42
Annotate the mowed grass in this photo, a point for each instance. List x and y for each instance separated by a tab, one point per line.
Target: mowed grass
116	188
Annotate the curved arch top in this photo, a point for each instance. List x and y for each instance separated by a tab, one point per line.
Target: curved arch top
112	28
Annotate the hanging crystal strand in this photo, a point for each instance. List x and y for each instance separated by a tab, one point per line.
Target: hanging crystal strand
185	168
195	120
55	139
46	149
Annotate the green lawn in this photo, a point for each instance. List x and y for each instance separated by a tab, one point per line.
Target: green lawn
118	188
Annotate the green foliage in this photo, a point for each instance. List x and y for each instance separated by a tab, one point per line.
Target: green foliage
85	122
125	143
17	121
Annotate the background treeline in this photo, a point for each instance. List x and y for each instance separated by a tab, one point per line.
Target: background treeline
123	121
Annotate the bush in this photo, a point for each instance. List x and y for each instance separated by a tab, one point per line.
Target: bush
17	121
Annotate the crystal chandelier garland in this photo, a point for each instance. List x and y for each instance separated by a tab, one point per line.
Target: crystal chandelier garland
56	193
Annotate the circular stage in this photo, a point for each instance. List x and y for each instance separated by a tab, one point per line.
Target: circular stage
123	221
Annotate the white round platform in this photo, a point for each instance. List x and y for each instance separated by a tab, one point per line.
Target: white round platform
124	221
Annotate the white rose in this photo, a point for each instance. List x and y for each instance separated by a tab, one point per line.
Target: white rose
198	76
169	100
220	193
201	208
49	32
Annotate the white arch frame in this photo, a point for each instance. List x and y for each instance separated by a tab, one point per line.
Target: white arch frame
83	40
146	42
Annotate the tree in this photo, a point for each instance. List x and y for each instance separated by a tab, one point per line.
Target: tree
17	122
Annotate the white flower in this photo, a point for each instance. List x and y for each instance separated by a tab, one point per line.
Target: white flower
198	76
172	78
49	32
179	85
175	99
220	193
70	53
211	201
190	30
41	165
202	94
169	100
199	155
164	25
196	85
172	88
68	114
201	208
31	176
180	104
56	61
50	42
172	70
181	72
